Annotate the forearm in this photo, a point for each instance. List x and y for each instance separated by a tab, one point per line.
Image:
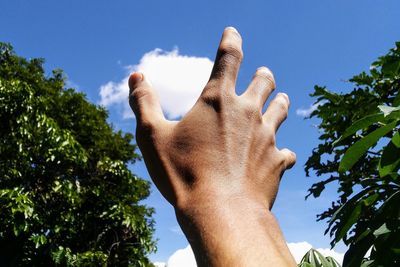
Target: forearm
233	231
219	165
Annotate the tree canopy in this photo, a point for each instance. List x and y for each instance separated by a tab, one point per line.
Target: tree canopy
360	151
67	196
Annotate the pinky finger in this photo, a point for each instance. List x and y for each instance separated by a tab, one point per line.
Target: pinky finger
290	158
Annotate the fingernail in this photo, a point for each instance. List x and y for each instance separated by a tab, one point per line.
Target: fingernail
265	70
285	96
135	78
232	29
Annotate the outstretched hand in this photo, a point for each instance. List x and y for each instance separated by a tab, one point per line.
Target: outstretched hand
222	151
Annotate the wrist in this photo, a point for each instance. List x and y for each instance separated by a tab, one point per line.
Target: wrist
214	197
220	228
220	205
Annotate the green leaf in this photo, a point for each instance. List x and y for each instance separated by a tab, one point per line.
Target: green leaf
306	264
356	252
356	151
390	160
367	263
344	211
391	66
360	124
51	140
323	260
39	240
322	91
391	205
333	262
381	230
347	222
353	118
315	259
396	100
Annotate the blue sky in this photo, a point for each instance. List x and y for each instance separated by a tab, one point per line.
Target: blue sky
304	43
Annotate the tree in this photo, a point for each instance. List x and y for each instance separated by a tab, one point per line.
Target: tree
360	150
67	196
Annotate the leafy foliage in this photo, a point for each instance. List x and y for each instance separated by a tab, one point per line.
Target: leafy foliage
67	196
360	149
315	259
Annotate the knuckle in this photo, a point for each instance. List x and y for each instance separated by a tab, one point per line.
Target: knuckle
282	105
269	129
271	140
285	98
293	158
279	159
145	132
285	113
230	51
290	158
146	127
136	95
282	159
270	136
212	100
216	99
251	111
135	98
266	74
293	155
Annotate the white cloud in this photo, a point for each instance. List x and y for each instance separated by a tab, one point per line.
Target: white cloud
299	249
307	111
178	80
159	264
185	257
182	258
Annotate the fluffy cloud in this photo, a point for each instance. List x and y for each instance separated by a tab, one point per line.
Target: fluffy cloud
306	112
182	258
185	257
178	80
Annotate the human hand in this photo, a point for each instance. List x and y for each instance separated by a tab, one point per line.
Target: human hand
224	144
223	150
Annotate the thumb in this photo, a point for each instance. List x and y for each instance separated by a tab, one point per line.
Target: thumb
144	100
290	158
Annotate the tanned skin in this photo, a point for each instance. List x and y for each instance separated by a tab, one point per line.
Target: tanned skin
219	166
